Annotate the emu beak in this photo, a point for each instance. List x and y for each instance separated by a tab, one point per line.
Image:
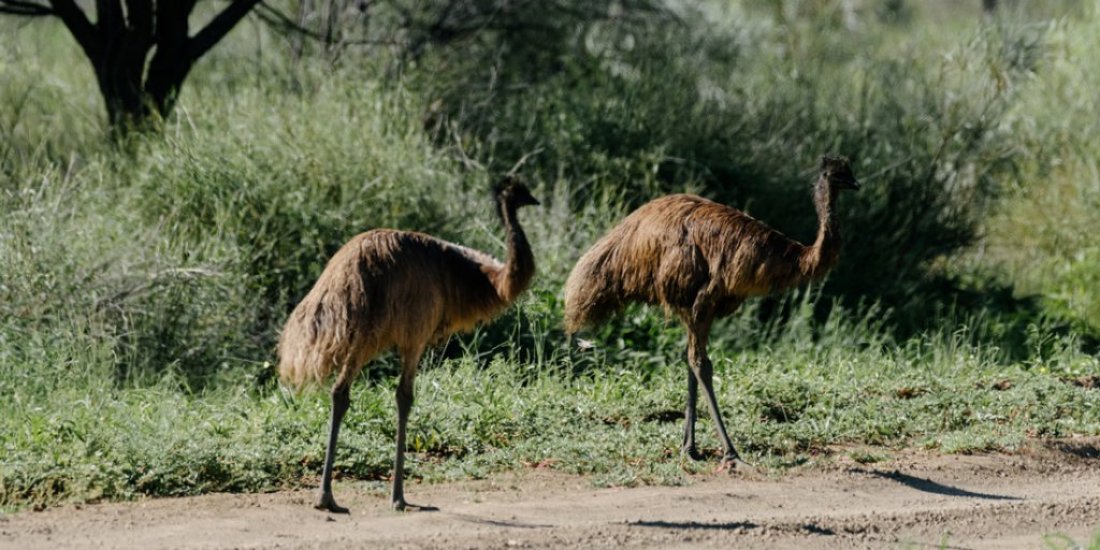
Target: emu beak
855	184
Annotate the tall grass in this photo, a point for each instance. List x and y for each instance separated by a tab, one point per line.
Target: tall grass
1042	240
741	110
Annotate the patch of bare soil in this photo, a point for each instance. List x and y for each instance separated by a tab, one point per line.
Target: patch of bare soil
914	499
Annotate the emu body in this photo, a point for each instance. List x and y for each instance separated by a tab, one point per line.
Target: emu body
700	260
388	289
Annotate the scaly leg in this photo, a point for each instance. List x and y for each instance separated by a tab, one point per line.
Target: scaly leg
410	358
404	405
688	447
704	371
341	399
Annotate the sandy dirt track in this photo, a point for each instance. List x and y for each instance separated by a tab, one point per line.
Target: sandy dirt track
915	500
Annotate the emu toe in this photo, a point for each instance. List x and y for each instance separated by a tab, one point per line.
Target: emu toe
402	506
734	464
326	502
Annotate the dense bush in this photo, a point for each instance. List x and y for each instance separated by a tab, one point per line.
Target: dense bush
731	109
188	249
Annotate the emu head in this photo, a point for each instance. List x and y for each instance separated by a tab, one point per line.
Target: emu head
510	191
836	172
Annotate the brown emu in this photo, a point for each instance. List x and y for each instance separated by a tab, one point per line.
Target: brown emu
701	260
404	290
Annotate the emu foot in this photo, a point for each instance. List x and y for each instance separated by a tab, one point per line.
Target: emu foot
691	452
326	502
401	506
734	464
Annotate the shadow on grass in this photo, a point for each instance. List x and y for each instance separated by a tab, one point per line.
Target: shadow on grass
929	486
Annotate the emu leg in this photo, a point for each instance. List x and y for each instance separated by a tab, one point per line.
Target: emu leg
341	399
404	405
688	447
704	371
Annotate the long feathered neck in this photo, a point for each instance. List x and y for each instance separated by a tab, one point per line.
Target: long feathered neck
520	266
819	258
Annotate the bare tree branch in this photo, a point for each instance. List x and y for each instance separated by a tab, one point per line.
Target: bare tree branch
218	27
272	16
77	23
20	7
523	160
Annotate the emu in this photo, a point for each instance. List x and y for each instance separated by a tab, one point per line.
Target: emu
404	290
700	260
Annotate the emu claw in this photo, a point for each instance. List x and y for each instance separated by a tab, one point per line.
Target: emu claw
402	506
326	502
733	464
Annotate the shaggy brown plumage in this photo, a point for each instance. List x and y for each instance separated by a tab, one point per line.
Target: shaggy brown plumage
388	289
700	260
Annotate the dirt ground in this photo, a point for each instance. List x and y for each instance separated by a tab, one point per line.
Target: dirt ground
913	500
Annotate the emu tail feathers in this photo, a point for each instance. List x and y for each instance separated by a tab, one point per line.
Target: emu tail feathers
297	355
592	292
314	344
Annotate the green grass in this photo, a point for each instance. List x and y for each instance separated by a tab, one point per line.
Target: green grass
785	406
1059	541
142	284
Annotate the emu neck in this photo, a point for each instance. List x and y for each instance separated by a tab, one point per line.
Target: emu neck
520	266
819	258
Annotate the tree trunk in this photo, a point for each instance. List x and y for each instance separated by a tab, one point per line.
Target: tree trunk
134	105
170	64
139	92
118	68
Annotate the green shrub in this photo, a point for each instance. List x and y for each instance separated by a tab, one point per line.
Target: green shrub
729	109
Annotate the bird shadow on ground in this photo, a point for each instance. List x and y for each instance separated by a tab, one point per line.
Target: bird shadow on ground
796	528
717	526
929	486
501	523
1080	450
